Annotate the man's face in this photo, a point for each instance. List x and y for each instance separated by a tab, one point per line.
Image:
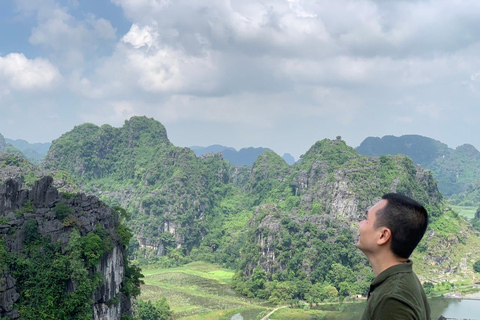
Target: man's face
368	235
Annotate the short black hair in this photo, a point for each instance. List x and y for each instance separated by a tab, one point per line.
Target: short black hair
406	218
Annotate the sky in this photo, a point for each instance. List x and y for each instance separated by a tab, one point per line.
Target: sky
281	74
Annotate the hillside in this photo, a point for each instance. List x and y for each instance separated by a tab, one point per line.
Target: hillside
20	169
305	226
62	255
170	191
457	170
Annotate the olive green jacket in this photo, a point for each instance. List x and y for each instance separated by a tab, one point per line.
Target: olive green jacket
396	293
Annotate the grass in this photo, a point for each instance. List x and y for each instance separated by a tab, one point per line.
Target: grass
465	211
297	314
198	291
200	269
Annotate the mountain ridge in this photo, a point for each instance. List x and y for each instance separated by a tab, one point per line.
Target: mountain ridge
455	169
244	156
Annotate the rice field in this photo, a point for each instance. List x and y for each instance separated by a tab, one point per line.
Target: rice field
199	291
465	211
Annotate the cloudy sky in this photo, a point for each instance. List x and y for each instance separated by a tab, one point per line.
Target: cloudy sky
274	73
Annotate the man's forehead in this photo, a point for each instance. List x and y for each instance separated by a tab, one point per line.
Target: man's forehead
378	206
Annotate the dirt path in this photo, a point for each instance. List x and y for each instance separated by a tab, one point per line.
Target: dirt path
272	312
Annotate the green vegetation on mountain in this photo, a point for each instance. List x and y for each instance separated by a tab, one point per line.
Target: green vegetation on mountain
299	258
304	243
243	157
456	170
171	192
476	266
55	254
14	151
15	167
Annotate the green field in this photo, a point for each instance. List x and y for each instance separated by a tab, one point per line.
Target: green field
465	211
199	291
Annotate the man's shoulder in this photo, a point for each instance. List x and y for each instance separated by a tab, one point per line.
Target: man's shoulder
400	281
400	294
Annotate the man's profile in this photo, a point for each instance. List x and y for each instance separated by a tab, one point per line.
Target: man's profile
392	229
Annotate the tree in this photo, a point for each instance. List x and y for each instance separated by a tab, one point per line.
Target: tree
331	292
149	311
284	291
318	292
476	266
428	287
258	279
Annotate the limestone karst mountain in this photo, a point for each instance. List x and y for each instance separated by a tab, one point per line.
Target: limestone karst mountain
457	170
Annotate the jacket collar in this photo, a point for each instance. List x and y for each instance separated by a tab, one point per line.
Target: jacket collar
398	268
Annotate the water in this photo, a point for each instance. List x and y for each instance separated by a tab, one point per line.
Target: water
449	308
455	308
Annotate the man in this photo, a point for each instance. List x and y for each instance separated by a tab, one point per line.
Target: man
389	234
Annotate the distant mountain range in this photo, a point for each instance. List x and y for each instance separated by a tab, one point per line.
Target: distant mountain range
457	170
34	152
245	156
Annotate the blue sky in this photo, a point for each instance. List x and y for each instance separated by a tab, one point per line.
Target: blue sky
274	73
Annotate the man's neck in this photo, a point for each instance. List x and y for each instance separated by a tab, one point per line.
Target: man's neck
382	262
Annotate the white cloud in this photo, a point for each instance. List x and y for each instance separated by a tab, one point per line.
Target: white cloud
21	73
69	40
262	64
139	37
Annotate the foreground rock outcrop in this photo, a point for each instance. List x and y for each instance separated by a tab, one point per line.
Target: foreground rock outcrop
55	217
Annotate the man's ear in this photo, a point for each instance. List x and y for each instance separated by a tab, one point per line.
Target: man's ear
385	236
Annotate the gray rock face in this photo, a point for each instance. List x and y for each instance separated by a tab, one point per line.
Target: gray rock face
86	213
3	144
13	167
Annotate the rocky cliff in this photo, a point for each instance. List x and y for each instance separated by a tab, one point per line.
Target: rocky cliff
41	218
15	167
2	143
